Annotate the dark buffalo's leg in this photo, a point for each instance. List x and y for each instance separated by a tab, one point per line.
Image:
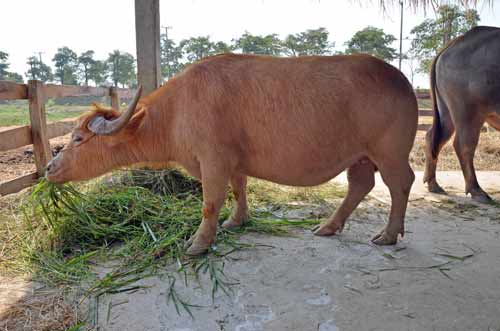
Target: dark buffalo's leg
445	132
240	207
361	180
466	139
399	178
214	181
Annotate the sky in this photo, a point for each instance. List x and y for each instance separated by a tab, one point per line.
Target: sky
31	26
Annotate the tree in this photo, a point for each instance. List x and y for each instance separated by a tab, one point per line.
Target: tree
432	35
39	70
264	45
196	48
170	57
121	68
372	41
435	3
66	63
98	72
4	65
4	73
85	62
309	42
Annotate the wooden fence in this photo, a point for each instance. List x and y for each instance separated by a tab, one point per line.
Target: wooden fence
39	132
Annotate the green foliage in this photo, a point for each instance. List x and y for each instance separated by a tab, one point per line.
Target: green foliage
196	48
309	42
66	63
98	72
121	68
39	70
264	45
372	41
4	66
85	63
432	35
170	57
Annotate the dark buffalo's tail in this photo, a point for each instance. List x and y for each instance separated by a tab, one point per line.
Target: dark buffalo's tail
435	130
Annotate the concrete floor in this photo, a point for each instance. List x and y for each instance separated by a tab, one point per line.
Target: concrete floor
444	275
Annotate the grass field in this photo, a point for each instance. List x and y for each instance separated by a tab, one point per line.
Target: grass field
17	113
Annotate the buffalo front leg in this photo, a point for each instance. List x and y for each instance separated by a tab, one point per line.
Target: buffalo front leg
465	145
214	184
240	207
399	179
361	180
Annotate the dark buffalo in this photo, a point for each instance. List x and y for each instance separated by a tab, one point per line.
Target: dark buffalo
465	88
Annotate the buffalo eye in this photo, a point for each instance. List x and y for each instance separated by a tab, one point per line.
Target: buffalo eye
77	139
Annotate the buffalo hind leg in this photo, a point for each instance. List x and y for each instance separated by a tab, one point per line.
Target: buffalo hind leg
444	135
361	180
240	208
214	182
399	178
465	145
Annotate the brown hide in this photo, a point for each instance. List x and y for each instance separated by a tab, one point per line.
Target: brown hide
294	121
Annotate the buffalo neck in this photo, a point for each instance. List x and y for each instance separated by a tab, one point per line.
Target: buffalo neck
153	141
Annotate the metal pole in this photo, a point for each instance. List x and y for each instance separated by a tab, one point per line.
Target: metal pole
401	36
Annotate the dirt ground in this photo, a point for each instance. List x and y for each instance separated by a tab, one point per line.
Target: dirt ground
442	276
19	162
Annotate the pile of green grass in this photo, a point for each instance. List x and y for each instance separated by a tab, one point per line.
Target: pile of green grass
140	222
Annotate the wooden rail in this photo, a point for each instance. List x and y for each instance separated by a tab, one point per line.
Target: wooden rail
39	131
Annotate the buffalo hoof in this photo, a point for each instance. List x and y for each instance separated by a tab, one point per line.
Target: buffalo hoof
327	229
482	198
196	246
385	238
232	223
434	187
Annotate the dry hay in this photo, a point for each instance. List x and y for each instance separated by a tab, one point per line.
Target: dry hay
487	157
42	311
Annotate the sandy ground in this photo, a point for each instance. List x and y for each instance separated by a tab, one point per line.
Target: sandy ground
444	275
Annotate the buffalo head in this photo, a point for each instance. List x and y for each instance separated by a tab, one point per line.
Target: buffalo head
99	143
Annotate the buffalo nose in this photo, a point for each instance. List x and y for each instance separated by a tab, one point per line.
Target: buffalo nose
49	166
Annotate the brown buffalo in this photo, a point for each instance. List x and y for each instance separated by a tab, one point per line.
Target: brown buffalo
292	121
465	88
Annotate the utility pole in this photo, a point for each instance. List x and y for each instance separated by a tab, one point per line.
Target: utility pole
401	36
166	49
166	30
40	56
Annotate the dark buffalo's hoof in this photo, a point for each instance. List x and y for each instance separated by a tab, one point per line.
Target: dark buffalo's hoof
482	198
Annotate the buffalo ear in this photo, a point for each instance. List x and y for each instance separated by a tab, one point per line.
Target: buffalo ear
136	121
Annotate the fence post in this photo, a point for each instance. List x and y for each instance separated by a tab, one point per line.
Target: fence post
41	145
115	98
